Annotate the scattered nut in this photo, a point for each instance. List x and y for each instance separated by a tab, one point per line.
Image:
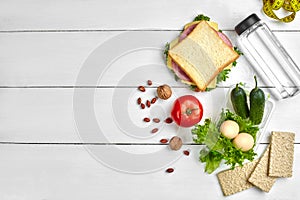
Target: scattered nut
148	103
186	152
146	119
156	120
175	143
169	120
163	141
164	92
170	170
153	100
139	100
154	130
149	82
142	88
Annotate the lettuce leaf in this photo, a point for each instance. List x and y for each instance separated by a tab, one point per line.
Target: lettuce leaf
218	148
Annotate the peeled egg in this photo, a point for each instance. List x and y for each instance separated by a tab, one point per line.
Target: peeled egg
243	141
229	129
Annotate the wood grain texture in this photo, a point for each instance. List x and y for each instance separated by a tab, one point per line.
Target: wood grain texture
55	59
44	45
132	14
66	171
47	115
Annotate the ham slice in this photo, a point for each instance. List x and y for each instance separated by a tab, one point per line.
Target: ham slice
180	73
224	38
186	32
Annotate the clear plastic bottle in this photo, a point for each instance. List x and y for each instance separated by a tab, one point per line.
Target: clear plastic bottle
267	56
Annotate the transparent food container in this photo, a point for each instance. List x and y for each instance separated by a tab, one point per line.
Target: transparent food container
268	111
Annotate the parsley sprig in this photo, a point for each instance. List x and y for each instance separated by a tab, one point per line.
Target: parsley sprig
223	75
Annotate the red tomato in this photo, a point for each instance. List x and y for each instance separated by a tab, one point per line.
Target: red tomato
187	111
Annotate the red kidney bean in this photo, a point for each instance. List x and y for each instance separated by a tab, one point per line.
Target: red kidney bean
153	100
156	120
147	119
154	130
186	152
170	170
142	88
148	103
169	120
163	141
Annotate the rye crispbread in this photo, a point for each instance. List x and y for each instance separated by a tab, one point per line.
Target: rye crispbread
259	176
281	154
236	180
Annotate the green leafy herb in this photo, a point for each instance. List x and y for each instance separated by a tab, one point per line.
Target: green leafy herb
223	75
166	51
219	148
176	77
200	131
201	17
209	89
211	158
193	87
234	63
239	52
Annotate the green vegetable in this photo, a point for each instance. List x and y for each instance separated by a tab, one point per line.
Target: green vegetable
223	75
239	101
201	17
166	51
257	104
219	148
238	52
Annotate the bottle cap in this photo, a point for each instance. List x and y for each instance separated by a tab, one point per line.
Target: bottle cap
246	23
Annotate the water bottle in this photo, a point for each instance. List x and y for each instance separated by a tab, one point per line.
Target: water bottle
268	57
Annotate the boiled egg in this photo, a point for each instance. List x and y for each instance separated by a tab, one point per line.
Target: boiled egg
229	129
243	141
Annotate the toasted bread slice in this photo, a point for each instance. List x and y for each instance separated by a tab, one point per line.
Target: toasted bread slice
202	55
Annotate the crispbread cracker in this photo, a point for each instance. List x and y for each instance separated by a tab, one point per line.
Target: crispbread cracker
259	176
236	180
281	154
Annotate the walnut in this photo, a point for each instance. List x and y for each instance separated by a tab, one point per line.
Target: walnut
164	92
175	143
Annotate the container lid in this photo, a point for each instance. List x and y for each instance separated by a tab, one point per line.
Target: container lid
246	23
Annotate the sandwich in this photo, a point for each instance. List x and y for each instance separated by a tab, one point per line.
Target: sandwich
202	55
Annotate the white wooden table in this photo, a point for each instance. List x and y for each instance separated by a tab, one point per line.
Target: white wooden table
44	47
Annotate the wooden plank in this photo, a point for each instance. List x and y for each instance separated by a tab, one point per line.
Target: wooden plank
55	59
70	172
134	14
47	115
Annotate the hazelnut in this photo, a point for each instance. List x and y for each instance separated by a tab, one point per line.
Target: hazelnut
164	92
175	143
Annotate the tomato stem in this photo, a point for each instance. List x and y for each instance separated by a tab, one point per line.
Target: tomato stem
189	111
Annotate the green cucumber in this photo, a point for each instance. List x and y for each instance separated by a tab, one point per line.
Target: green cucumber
239	102
257	104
